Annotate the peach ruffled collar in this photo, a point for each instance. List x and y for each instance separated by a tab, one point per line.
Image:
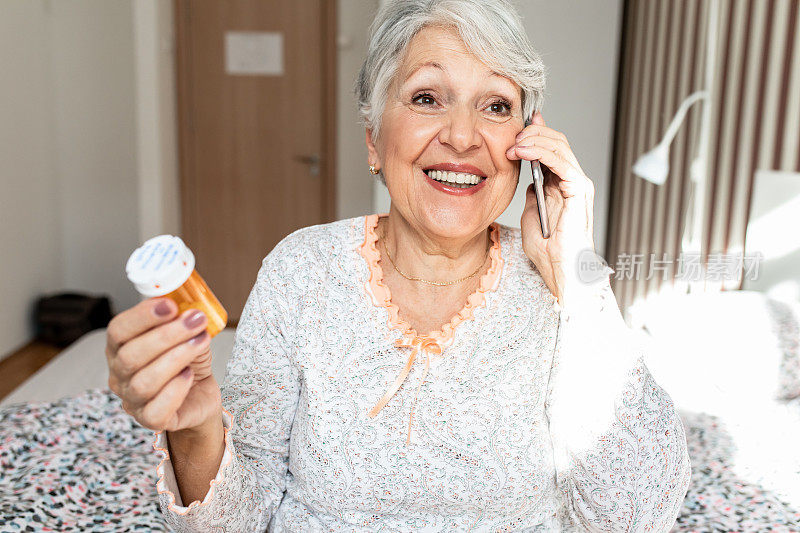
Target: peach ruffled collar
432	343
382	297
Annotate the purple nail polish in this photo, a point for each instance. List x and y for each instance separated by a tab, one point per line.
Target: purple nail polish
162	308
199	338
193	319
186	373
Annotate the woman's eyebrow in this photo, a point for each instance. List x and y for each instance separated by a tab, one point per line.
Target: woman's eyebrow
436	65
433	64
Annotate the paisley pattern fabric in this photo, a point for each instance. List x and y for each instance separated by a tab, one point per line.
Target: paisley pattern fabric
528	419
786	326
83	464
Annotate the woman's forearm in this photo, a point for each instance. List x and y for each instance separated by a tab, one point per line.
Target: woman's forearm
611	425
196	455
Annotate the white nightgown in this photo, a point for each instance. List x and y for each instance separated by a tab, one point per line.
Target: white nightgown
524	418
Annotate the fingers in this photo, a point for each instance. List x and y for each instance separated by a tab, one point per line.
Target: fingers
553	160
146	383
141	350
161	412
538	134
573	182
138	319
544	131
553	145
538	127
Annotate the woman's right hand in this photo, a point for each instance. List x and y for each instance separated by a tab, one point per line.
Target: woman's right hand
160	366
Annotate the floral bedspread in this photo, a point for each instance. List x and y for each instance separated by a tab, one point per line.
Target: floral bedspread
83	464
78	464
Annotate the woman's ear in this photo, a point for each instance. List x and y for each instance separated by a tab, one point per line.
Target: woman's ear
372	151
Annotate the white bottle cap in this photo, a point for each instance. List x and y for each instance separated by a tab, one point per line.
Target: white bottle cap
160	265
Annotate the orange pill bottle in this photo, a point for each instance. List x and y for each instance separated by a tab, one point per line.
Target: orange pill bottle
164	266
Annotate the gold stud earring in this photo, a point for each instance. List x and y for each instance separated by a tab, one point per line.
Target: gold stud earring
373	170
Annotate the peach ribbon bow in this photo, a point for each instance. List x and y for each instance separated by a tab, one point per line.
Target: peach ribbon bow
419	343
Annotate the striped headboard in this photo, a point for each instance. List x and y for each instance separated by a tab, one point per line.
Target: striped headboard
753	123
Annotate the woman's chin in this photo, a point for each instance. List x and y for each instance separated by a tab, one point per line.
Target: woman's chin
453	223
459	216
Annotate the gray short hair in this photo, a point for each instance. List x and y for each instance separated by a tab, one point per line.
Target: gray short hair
491	30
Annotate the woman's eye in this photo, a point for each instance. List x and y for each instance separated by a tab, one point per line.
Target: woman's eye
500	108
424	99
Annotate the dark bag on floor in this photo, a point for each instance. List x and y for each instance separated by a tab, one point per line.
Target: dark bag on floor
63	318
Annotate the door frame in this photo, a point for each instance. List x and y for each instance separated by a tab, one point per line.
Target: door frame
327	171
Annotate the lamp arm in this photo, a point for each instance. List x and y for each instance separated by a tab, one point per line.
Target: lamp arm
672	130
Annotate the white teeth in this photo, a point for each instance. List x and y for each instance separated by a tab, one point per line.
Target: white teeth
454	177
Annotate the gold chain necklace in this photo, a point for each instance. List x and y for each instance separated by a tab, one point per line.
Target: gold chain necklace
438	283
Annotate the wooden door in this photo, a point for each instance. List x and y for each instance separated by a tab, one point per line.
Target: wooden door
256	150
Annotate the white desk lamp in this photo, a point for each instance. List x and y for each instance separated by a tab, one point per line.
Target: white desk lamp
654	165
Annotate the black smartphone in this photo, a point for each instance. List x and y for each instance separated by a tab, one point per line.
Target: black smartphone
538	187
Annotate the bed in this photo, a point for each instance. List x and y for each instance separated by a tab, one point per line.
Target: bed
731	363
72	459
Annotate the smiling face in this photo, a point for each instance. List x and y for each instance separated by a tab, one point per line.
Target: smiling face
446	110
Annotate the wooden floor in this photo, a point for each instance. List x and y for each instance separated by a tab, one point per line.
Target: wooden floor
23	363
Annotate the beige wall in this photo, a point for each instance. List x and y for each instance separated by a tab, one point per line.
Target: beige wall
29	245
67	132
156	126
95	144
354	188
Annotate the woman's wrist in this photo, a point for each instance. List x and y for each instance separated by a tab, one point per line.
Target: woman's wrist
584	286
204	439
196	455
579	273
199	434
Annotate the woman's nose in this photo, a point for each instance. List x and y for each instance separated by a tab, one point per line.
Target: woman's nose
460	131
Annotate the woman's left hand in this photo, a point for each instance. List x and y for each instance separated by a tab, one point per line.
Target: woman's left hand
569	199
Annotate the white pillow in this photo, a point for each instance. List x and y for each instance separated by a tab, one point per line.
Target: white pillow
718	352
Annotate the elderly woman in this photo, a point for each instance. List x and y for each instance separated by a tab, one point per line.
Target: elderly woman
427	369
